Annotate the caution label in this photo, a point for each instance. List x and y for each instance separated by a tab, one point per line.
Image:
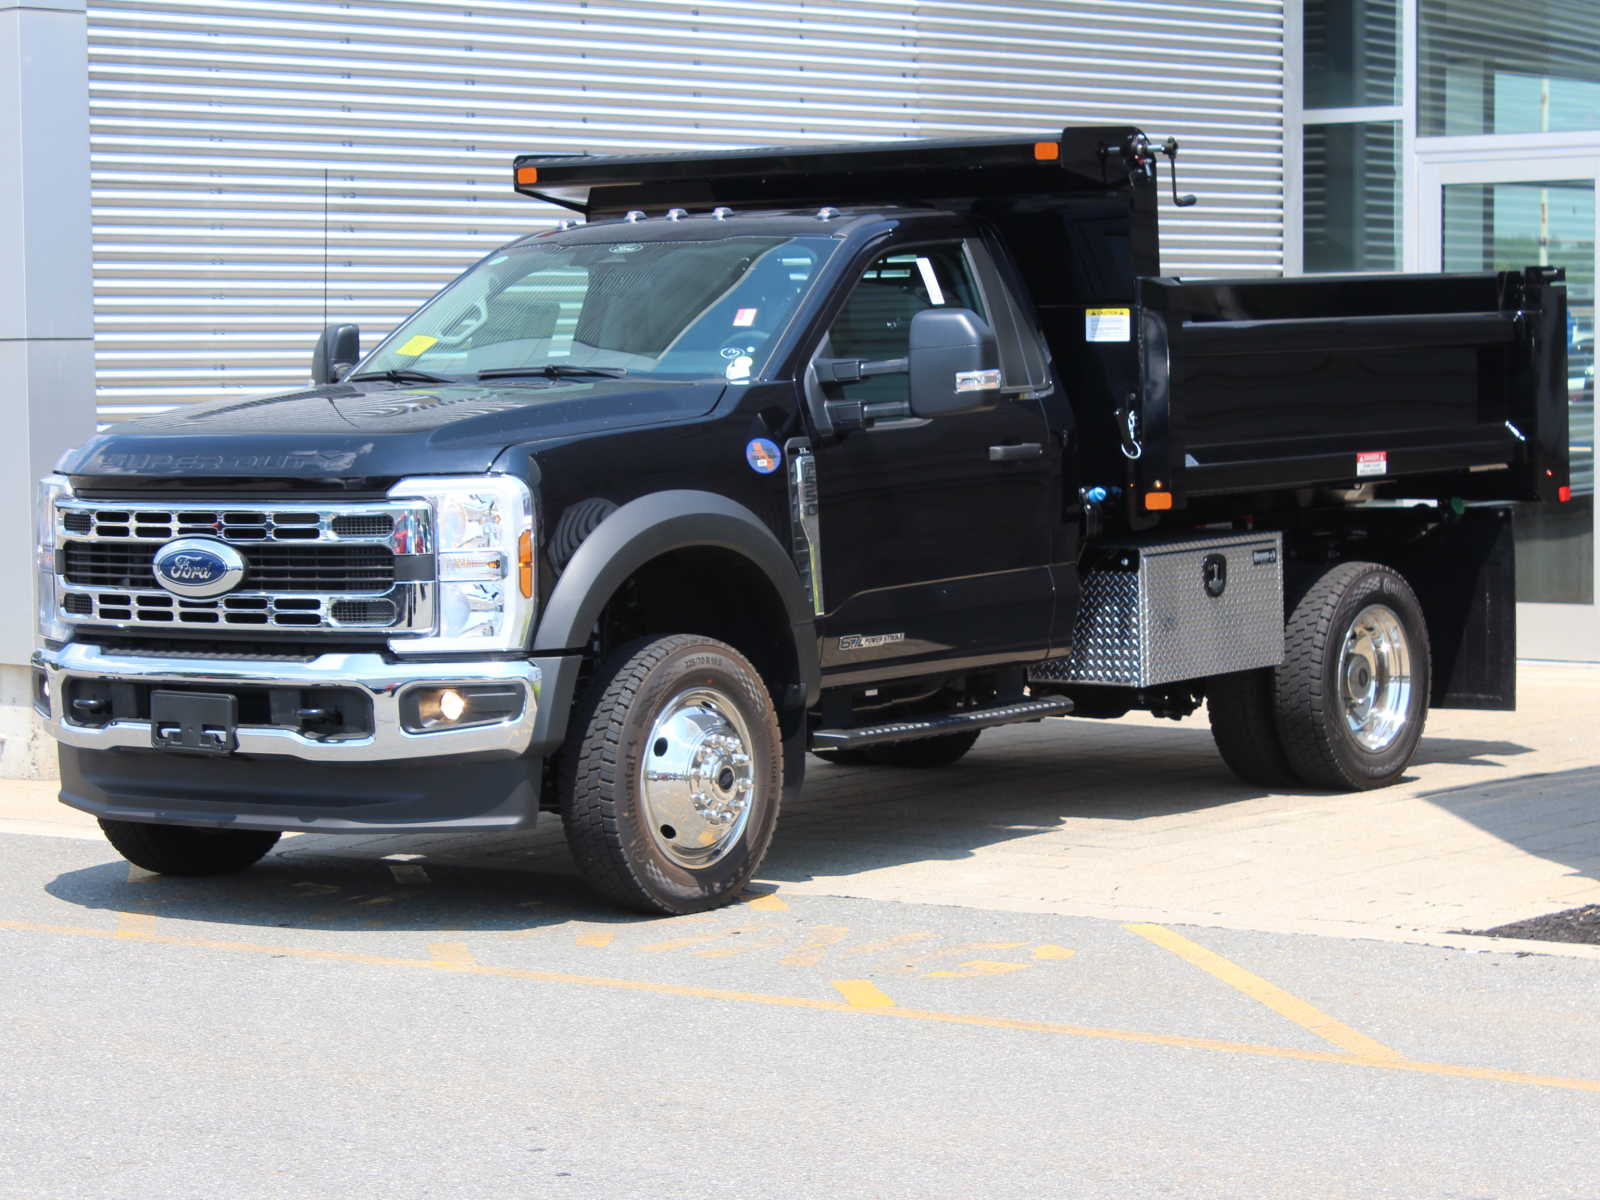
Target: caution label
1107	324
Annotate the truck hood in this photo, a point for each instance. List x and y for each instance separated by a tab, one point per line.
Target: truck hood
376	430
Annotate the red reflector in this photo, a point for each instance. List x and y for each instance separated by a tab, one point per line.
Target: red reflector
527	175
1564	493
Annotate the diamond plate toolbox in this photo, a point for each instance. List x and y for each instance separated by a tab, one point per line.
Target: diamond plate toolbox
1180	608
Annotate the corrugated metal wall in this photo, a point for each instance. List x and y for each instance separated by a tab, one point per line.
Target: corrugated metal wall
233	139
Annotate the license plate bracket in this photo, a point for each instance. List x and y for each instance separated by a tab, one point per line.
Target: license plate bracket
196	722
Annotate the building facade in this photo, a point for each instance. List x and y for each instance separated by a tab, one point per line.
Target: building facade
1463	135
258	168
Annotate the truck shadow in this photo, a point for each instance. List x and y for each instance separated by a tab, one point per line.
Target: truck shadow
1018	783
1554	816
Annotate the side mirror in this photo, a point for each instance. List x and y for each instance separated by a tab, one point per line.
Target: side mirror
955	363
338	350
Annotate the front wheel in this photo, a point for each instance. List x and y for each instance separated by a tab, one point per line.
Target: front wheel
1351	696
669	793
180	850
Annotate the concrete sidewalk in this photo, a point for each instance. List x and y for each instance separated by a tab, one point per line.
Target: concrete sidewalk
1497	821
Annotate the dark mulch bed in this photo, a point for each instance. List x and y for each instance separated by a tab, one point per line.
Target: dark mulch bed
1574	925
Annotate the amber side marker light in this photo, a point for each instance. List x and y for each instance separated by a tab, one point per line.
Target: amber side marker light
1047	151
526	175
525	562
1158	501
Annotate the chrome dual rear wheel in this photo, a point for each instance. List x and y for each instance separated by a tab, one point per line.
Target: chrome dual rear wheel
1374	675
1351	698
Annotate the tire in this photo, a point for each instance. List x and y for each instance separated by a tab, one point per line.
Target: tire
1351	697
696	708
938	751
180	850
1244	725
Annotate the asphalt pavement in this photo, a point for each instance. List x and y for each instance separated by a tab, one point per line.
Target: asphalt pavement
1083	962
359	1024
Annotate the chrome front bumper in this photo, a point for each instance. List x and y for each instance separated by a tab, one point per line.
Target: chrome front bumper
383	681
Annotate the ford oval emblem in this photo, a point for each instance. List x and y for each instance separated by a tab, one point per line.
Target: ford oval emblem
198	568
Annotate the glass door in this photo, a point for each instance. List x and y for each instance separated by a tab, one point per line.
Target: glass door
1506	213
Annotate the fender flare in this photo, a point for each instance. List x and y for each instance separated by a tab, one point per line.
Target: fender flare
657	524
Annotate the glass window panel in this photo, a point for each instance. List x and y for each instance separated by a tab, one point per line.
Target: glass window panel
1505	227
1352	53
1352	197
1487	66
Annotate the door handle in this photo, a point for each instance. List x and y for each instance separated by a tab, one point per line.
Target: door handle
1017	453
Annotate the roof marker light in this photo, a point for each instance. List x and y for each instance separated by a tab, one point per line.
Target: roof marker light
721	213
1047	151
677	214
827	214
634	216
527	175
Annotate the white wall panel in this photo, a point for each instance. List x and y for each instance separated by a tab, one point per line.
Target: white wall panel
216	125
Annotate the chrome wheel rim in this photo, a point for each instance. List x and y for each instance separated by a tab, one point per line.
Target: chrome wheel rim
697	778
1375	678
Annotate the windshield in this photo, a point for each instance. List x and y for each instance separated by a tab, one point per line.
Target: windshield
672	309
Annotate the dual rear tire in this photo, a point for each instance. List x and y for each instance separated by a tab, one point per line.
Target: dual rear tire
1346	709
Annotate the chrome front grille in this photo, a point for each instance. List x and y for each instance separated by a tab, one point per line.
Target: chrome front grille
271	567
107	523
308	567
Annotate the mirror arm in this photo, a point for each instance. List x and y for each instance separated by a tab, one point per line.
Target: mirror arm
854	370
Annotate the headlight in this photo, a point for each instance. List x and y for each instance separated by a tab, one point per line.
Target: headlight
51	489
483	541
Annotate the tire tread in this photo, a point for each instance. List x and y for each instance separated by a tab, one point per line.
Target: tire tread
590	770
1300	696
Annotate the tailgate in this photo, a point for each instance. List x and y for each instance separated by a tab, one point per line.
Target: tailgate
1423	385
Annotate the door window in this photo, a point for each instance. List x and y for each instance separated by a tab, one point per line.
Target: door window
875	322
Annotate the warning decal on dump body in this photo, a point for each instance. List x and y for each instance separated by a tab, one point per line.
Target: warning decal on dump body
1107	324
1372	462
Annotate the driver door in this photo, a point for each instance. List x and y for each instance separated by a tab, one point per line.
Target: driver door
934	534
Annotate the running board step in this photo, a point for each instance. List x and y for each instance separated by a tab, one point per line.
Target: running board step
905	731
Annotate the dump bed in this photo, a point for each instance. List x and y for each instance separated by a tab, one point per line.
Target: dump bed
1435	385
1182	391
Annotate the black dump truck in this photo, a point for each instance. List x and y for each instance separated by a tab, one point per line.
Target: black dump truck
850	451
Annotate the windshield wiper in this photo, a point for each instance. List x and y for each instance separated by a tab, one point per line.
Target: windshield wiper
402	375
552	371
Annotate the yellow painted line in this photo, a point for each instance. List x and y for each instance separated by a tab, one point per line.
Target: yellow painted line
1049	952
596	939
1303	1014
767	903
135	925
818	941
862	993
1177	1041
452	954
